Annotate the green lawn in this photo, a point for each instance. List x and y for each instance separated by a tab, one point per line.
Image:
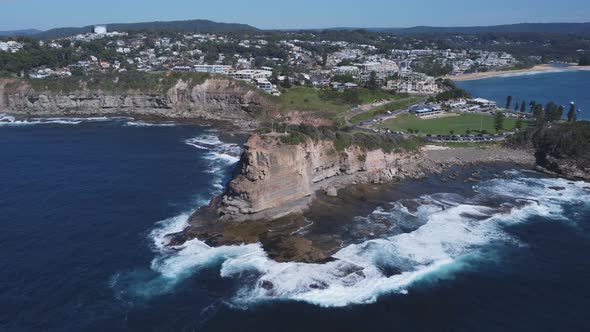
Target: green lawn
402	101
443	126
308	99
333	104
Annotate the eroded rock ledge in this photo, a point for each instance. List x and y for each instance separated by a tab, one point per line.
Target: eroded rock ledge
277	179
276	182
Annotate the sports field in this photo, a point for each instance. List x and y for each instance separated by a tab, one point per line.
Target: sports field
457	124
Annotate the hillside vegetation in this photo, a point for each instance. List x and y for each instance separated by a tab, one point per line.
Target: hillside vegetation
117	82
344	138
559	141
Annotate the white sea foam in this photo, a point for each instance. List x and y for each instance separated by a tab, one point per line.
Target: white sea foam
6	120
148	124
162	231
39	122
220	155
452	228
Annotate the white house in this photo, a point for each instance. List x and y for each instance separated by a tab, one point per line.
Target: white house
213	69
251	74
100	29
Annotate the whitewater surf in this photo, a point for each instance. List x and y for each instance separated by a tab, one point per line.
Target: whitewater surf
447	228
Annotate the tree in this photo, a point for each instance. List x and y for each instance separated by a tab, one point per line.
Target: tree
559	113
523	107
515	107
508	102
77	72
372	82
344	78
518	124
211	57
499	121
532	104
571	114
553	112
287	82
539	115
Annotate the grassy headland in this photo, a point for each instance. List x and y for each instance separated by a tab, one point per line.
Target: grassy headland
344	138
400	101
327	103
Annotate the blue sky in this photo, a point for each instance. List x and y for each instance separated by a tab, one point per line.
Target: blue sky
45	14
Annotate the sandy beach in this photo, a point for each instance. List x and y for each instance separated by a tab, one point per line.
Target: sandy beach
538	68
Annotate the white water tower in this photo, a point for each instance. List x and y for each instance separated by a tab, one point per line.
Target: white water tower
100	29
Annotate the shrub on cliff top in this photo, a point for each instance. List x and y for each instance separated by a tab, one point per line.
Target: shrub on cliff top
294	138
561	141
342	139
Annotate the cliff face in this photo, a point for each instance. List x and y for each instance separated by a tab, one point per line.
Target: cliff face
562	149
565	167
214	99
277	179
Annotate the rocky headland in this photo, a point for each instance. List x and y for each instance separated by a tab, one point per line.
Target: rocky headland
281	175
276	183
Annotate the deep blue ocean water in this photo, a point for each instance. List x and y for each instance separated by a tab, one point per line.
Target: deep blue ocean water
561	87
82	209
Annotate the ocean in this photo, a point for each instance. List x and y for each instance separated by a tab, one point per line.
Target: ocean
559	86
85	206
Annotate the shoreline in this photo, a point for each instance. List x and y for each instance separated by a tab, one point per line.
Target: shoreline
281	234
534	70
222	125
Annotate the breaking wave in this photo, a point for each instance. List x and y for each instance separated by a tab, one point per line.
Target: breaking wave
148	124
220	155
7	120
449	229
170	266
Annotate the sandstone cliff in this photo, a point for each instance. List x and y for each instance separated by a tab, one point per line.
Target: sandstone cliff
214	99
276	179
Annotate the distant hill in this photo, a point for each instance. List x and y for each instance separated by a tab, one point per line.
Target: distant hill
565	28
210	26
184	26
27	32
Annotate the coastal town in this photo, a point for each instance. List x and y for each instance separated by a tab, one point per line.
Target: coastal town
267	62
409	79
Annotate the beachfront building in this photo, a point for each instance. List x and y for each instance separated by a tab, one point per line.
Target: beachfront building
414	83
213	69
265	85
422	111
383	67
251	74
483	103
347	70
